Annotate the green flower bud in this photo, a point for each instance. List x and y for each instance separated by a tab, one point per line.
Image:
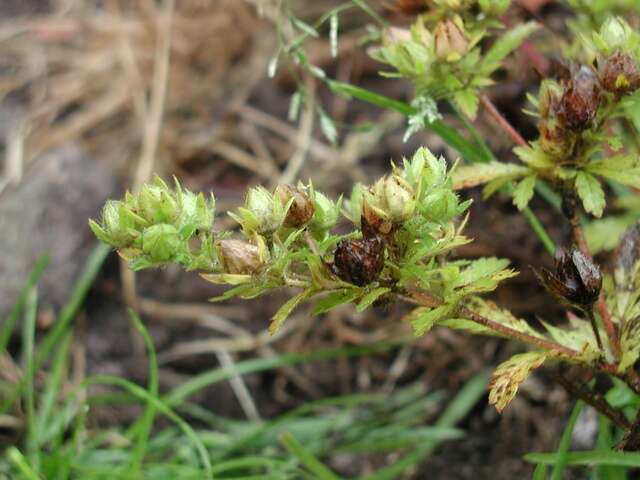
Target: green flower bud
239	257
614	32
195	213
263	213
156	204
392	198
161	242
325	214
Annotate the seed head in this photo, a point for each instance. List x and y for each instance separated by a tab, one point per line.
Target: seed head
359	261
577	280
580	100
619	74
239	257
301	209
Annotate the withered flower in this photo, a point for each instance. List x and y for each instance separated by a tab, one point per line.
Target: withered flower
301	209
359	261
577	280
580	100
411	7
450	40
239	257
619	74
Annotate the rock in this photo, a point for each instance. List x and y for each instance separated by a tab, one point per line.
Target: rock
48	212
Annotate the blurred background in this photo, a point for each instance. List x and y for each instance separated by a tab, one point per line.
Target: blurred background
97	96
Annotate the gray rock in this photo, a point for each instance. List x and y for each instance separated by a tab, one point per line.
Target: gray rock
47	212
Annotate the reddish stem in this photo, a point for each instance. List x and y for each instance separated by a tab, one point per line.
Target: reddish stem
502	122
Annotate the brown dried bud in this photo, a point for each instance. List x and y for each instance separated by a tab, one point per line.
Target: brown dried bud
580	100
619	74
359	261
301	209
411	7
577	280
239	257
451	42
556	140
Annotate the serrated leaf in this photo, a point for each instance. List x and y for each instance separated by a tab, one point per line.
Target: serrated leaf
467	176
506	379
489	309
624	169
591	193
505	44
371	297
604	234
483	275
285	310
467	101
423	319
534	156
630	345
336	298
523	192
580	338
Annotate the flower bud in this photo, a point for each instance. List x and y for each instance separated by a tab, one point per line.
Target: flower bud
580	100
239	257
614	32
359	261
156	204
550	95
263	213
301	209
450	41
619	74
577	280
389	200
161	242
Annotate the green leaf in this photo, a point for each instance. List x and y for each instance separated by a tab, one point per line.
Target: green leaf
630	343
591	193
523	192
565	442
505	44
285	310
339	297
534	156
467	101
328	127
423	319
507	378
589	458
483	275
371	297
467	176
604	234
624	169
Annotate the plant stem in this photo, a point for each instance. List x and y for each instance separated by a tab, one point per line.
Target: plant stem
516	334
570	208
596	400
594	327
631	441
502	122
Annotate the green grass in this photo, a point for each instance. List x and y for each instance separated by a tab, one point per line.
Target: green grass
60	443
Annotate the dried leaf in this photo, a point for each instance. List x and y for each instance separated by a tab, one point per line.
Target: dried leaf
509	375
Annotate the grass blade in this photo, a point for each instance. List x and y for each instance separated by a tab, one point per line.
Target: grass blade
28	342
590	457
458	408
148	416
10	323
315	466
565	442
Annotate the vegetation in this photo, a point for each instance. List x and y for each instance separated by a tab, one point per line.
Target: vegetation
398	247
